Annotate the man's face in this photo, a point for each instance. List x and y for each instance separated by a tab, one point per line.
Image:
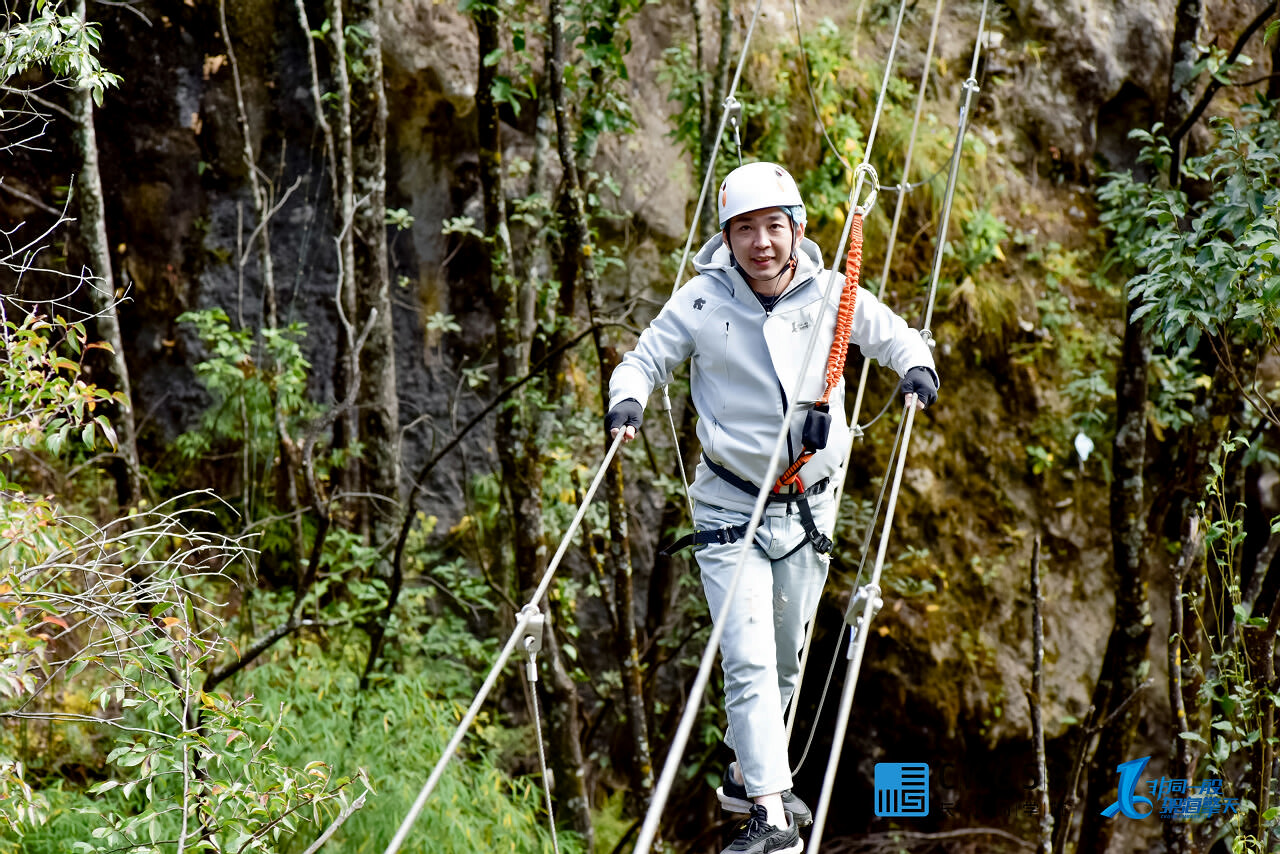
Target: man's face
761	241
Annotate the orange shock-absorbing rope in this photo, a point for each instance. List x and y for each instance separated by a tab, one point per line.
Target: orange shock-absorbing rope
839	344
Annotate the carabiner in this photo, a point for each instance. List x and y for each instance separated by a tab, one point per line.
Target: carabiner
867	169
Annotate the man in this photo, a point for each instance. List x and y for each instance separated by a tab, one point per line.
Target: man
744	323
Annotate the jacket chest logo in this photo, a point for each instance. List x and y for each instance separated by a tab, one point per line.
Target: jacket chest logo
800	325
699	303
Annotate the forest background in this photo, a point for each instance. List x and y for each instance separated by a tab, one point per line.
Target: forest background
307	309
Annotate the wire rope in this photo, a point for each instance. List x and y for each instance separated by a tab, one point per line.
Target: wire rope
872	590
899	188
860	638
866	365
862	564
532	674
729	103
524	618
808	82
862	169
970	87
731	107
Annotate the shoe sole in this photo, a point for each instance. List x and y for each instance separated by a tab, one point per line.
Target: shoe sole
729	803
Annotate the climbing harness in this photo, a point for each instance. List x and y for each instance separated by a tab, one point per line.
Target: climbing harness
528	616
730	534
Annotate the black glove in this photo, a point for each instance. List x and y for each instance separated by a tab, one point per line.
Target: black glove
920	381
628	413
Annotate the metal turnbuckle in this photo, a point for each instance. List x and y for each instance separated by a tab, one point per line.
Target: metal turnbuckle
535	625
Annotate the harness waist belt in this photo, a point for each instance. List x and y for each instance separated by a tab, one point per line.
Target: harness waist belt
732	533
744	485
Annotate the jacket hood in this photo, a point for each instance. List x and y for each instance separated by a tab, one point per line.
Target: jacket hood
714	257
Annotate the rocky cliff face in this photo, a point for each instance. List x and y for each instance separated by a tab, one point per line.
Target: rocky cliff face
1085	68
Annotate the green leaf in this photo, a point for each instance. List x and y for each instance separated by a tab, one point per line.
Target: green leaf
1191	736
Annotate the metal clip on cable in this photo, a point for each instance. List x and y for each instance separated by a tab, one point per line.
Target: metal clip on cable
857	605
927	336
532	639
733	110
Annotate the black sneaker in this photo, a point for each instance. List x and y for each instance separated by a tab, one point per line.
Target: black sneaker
733	798
757	836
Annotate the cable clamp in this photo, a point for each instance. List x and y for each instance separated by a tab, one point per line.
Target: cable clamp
926	335
971	85
666	400
733	111
857	605
535	622
858	432
873	179
733	108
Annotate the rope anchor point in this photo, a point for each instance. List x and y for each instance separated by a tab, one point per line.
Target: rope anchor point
535	622
867	593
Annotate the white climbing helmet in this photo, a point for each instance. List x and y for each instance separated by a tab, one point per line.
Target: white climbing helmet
759	185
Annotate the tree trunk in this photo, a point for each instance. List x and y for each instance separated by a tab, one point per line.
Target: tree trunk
519	448
1182	85
378	402
1124	667
577	264
1179	836
1273	84
102	290
347	428
1260	650
711	106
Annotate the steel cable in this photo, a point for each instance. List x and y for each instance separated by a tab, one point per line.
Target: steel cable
860	633
525	616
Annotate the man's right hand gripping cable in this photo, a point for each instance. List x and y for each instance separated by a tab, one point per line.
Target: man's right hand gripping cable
627	415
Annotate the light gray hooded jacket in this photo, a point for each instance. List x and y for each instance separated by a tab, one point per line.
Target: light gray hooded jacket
746	363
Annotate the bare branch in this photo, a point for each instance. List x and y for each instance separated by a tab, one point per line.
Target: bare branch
337	823
1214	83
29	199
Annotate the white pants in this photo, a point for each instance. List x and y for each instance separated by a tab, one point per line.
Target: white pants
764	631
